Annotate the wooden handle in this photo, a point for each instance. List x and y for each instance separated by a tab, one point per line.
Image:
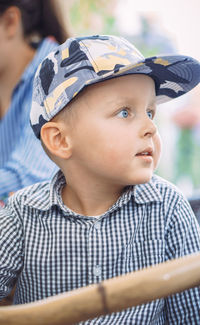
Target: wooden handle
112	295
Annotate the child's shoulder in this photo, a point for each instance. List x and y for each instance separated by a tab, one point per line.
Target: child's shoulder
162	184
172	202
166	190
33	195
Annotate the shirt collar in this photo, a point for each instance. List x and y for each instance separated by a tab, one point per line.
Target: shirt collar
148	192
142	194
55	196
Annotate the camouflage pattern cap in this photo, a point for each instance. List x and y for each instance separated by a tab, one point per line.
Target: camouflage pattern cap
83	61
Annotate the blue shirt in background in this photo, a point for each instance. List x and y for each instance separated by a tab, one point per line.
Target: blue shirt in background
22	158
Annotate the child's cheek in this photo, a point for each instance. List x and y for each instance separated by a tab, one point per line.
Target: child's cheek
158	148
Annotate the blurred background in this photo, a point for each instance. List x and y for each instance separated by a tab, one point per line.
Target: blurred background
155	28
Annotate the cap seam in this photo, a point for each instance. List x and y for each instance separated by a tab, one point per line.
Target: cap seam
89	55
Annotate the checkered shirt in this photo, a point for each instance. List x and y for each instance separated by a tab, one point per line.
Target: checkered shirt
46	249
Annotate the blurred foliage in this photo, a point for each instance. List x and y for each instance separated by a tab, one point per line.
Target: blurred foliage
92	17
151	40
188	157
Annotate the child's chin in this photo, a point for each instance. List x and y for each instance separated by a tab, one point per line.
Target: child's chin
143	180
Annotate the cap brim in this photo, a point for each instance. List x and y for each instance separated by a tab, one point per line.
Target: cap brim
173	75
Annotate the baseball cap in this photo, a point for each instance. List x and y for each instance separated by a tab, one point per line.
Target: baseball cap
83	61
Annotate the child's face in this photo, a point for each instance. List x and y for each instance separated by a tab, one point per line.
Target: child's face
113	136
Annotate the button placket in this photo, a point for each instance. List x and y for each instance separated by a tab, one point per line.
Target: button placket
97	270
89	244
94	252
97	225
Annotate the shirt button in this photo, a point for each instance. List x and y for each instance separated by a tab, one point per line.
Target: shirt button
97	270
97	225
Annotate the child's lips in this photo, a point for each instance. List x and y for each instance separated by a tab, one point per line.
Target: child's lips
146	155
146	152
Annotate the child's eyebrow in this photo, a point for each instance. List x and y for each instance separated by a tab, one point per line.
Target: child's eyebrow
153	103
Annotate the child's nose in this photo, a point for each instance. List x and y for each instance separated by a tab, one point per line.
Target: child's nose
149	128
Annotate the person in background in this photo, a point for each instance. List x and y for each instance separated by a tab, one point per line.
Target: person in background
29	30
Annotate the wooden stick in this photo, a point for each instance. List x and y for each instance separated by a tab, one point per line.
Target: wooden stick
111	295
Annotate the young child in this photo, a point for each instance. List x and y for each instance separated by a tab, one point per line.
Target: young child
104	213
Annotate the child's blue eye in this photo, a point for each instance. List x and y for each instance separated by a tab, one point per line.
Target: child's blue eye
150	114
123	113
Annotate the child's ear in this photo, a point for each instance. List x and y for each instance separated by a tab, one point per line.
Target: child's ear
11	19
56	140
